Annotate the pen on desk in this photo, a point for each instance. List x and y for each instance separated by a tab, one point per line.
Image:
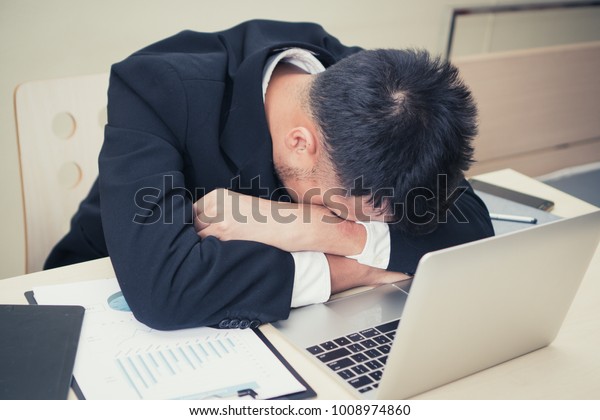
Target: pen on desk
513	218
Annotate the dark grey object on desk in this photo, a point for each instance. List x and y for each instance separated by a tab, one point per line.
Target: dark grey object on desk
39	343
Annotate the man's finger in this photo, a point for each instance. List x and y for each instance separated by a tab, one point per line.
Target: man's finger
200	223
208	231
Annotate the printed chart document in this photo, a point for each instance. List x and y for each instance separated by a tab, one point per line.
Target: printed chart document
121	358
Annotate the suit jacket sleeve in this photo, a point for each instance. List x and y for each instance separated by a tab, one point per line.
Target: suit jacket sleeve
169	277
467	220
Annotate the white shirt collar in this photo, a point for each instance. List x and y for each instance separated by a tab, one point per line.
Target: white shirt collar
298	57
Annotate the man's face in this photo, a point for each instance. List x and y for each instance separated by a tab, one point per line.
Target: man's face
324	191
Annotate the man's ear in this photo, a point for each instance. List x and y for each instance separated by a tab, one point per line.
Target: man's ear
302	144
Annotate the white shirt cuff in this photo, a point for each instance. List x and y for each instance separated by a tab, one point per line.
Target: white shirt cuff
312	282
376	252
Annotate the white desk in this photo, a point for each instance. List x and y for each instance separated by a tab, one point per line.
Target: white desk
568	369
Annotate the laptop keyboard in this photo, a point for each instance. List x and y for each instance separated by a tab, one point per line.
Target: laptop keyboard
359	358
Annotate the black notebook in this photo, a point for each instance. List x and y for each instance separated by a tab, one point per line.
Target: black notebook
39	343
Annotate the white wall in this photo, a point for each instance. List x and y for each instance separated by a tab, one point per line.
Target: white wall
57	38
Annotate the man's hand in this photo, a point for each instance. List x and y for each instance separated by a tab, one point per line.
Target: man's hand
228	215
347	273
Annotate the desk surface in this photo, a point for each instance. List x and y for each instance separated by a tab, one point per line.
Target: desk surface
567	369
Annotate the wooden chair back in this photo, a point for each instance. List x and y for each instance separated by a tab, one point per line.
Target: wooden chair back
60	128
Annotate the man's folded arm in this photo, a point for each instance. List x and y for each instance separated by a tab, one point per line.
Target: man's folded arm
399	252
318	274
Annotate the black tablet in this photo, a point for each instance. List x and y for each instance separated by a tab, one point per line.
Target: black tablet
39	343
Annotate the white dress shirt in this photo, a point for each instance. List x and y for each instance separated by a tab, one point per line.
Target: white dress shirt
312	282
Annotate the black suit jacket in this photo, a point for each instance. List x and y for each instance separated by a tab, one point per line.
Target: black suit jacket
186	116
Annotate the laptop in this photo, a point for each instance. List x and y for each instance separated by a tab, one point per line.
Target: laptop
467	308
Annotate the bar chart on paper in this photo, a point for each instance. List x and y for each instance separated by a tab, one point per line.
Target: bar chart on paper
164	369
121	358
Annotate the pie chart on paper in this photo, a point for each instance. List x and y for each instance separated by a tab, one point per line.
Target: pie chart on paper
117	302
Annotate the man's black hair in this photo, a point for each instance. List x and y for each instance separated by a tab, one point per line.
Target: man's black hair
393	121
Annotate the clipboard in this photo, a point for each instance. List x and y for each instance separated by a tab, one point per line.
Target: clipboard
309	393
38	351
